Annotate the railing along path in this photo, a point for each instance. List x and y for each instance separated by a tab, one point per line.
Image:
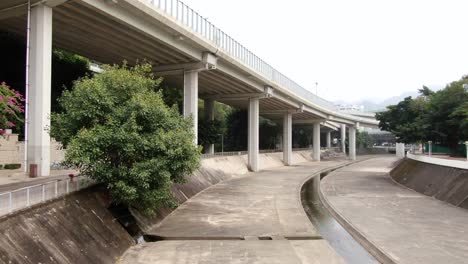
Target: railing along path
25	197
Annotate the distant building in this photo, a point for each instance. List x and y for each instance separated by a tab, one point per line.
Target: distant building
344	108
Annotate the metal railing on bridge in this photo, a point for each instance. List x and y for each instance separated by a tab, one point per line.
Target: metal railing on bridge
186	16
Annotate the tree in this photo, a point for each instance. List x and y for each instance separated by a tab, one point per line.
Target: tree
66	68
425	91
302	136
404	120
446	114
236	138
118	131
209	131
172	95
461	113
268	133
440	116
364	140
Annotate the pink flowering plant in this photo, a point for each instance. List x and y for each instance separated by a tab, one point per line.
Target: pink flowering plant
11	107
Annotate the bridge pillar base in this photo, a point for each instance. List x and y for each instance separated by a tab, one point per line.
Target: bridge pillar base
253	134
191	100
343	138
316	141
287	139
352	143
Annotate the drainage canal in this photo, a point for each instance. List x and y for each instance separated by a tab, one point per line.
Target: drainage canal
326	225
122	214
329	228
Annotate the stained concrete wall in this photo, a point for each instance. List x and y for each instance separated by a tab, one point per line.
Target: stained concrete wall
12	150
74	229
444	183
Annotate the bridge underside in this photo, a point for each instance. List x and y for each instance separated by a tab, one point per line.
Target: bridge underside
111	33
84	30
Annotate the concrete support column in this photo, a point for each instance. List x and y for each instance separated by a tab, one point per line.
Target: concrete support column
191	100
400	150
253	134
209	115
287	139
352	143
343	138
328	139
39	90
316	141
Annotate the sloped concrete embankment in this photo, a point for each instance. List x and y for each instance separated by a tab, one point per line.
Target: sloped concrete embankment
75	229
443	183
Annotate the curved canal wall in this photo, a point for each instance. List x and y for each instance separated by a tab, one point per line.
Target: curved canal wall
448	184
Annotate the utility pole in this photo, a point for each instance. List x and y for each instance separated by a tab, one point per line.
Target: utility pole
222	143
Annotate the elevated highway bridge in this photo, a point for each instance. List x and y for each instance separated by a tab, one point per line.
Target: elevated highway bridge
184	48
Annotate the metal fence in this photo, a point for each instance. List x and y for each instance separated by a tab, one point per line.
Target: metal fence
240	153
223	154
25	197
191	19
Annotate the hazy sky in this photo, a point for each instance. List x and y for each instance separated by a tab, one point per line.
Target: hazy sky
353	49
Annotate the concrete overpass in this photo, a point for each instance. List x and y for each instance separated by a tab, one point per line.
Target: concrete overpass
185	49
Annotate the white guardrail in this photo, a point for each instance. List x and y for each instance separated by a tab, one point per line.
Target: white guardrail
240	153
22	198
186	16
459	164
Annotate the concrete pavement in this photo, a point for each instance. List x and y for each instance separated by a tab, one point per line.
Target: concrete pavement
255	219
399	225
232	252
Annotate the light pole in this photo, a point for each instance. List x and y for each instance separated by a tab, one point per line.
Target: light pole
466	147
222	143
430	148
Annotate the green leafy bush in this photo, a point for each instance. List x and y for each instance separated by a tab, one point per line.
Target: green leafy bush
117	130
12	166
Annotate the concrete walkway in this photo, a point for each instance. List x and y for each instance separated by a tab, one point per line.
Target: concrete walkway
254	219
398	224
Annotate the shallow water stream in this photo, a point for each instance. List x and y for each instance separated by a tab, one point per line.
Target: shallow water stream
330	229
